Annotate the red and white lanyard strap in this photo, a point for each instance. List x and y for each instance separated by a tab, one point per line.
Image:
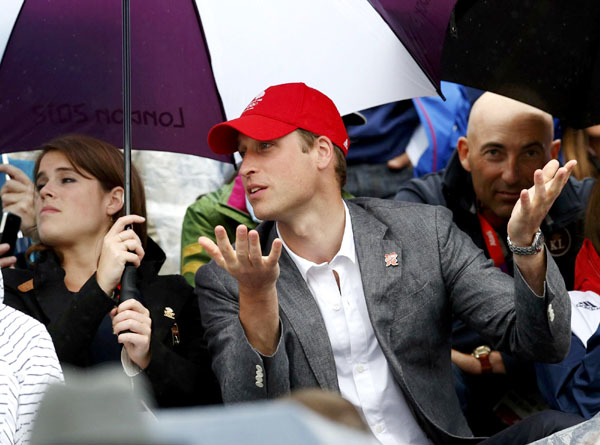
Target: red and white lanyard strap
492	243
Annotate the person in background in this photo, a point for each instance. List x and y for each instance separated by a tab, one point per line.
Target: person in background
15	182
28	364
583	145
573	385
73	285
403	139
506	142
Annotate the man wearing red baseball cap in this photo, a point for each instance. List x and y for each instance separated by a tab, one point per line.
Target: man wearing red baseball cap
357	296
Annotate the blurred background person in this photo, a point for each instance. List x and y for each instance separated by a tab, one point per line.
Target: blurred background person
584	146
16	176
403	139
28	364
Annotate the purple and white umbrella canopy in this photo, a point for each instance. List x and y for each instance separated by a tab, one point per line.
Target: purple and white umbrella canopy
60	68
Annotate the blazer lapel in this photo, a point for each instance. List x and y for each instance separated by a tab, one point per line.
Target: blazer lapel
380	263
303	313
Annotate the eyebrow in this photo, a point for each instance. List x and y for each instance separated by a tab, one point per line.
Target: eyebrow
59	169
523	147
491	145
533	144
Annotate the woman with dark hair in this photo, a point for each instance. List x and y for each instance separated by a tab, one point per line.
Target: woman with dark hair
73	285
584	146
573	385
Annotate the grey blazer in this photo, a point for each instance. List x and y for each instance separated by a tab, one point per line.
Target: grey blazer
440	271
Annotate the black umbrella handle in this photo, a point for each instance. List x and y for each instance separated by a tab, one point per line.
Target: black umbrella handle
128	288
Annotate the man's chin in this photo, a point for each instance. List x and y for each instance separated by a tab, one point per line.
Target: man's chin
262	214
504	212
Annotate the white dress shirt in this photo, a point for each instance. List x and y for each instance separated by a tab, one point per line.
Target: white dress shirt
364	376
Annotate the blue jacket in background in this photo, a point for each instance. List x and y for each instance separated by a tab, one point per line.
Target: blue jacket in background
389	128
573	385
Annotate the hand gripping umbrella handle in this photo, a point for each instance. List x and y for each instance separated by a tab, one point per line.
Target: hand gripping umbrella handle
128	287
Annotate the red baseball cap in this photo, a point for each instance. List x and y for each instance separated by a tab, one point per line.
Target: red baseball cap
278	111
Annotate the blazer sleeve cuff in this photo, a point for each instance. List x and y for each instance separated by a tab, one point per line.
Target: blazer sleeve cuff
545	319
245	374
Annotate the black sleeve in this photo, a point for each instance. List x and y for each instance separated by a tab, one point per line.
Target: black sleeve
74	329
180	374
80	314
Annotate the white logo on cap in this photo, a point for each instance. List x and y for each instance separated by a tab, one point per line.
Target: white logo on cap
346	144
254	102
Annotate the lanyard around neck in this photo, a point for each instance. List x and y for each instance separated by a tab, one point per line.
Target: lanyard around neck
492	244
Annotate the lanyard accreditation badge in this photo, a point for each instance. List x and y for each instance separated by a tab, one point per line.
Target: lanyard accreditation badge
493	244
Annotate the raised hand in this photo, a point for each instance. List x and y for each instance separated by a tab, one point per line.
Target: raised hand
256	275
119	247
132	323
17	197
253	271
527	216
533	204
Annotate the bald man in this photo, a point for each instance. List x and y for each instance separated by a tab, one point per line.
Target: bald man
506	142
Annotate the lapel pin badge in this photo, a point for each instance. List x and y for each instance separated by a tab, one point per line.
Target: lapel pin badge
391	259
175	334
169	313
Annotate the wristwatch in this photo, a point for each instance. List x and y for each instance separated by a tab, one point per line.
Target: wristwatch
482	353
535	248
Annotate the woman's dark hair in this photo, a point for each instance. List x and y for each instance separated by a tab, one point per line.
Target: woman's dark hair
575	145
103	161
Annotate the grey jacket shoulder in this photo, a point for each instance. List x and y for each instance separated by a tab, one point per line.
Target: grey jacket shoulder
392	213
381	206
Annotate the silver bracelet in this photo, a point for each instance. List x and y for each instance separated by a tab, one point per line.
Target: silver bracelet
535	248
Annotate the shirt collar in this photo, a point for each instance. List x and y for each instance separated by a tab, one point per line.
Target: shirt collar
347	249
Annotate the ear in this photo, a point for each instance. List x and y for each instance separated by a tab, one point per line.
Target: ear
115	201
554	149
463	152
325	152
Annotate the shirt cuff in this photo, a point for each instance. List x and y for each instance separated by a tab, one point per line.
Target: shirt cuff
130	368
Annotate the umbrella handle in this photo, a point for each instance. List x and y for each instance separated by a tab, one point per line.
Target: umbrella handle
128	287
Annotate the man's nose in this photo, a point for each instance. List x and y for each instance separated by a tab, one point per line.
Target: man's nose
248	166
510	173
